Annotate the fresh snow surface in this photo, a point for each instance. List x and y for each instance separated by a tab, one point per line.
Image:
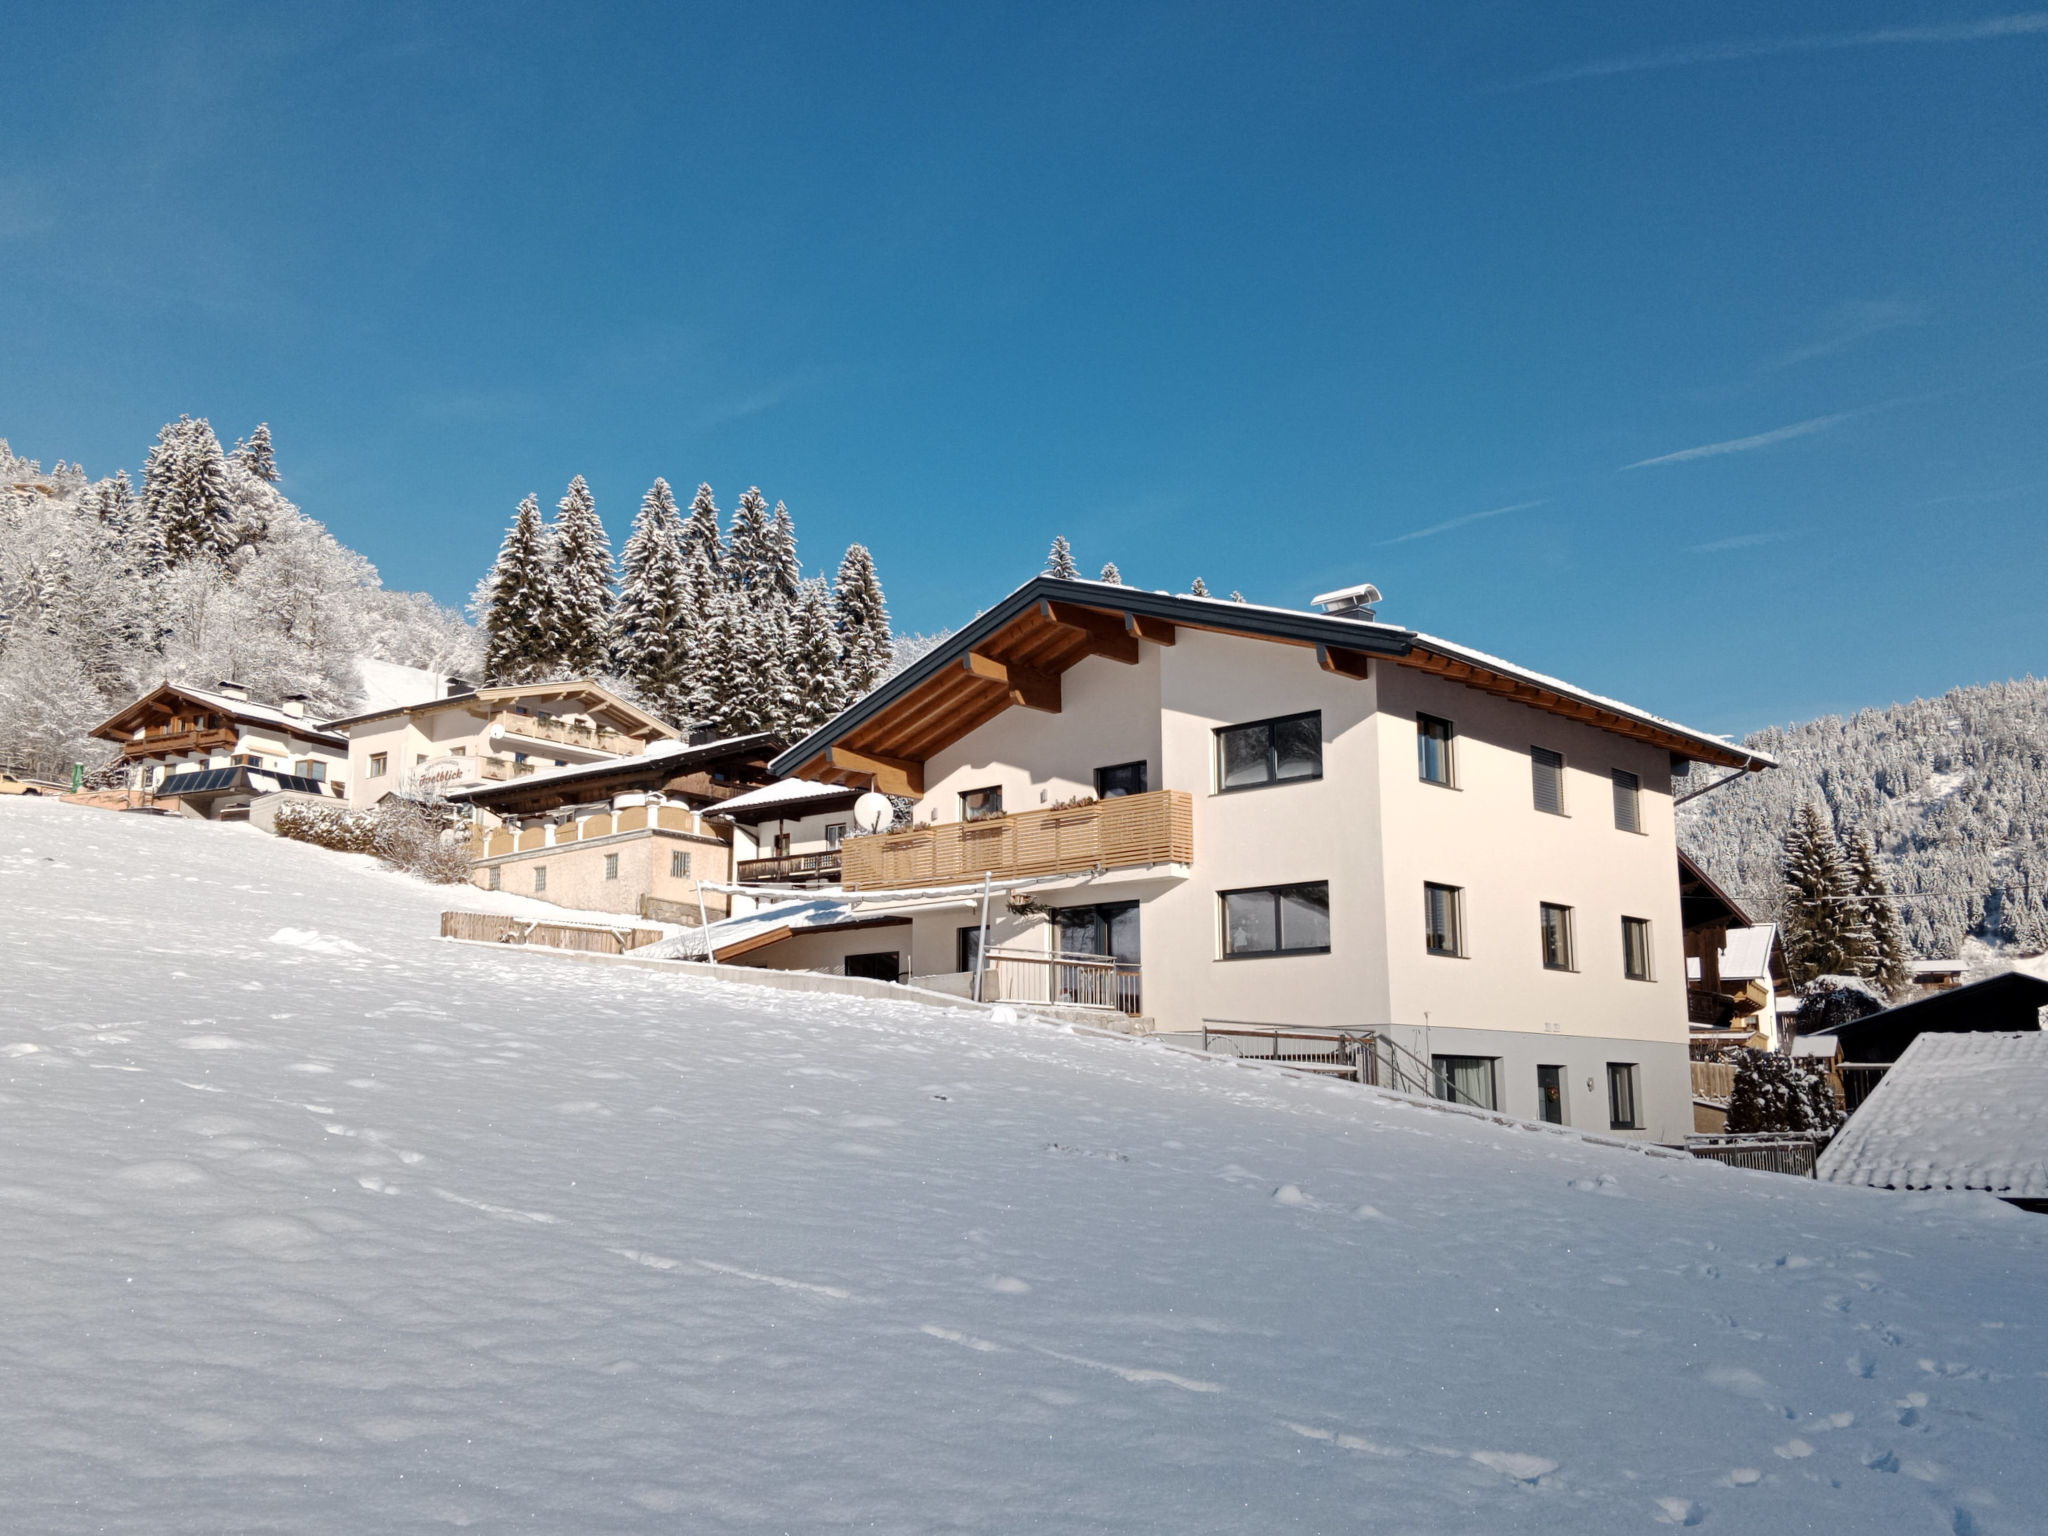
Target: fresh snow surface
1964	1111
315	1223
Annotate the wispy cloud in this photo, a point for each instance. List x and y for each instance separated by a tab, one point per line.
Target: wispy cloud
1990	29
1745	444
1738	541
1459	522
1849	323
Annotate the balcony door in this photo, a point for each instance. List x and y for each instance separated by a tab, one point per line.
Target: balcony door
1109	930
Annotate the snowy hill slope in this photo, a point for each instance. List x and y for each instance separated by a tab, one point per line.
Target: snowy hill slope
1953	793
316	1223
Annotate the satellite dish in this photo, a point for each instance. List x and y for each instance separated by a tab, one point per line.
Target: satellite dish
872	812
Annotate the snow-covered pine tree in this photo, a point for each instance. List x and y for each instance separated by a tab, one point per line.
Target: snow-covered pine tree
580	567
514	611
749	553
1112	575
786	572
1774	1092
722	684
185	490
773	703
1059	562
866	648
1820	917
817	682
256	455
1236	596
657	607
701	535
1888	967
1199	589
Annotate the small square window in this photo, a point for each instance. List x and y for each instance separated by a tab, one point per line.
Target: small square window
835	833
679	865
540	878
1622	1110
1113	783
1556	924
1548	769
497	877
981	804
379	764
1433	749
611	866
1628	801
1635	948
1443	919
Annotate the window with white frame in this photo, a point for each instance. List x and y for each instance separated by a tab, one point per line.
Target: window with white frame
611	866
540	878
679	864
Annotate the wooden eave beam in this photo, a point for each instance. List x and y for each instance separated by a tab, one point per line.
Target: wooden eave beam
1344	662
1025	685
1158	631
1106	633
892	775
751	943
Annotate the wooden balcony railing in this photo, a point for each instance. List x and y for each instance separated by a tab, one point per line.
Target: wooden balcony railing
501	770
592	738
1157	828
792	866
211	739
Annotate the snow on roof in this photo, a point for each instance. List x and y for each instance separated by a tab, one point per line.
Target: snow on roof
664	747
1935	967
1601	701
794	915
301	725
1746	952
782	792
1956	1111
1816	1045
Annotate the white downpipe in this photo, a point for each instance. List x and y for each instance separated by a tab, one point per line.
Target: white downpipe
981	940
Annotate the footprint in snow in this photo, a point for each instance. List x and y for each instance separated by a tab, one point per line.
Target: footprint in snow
1601	1184
1007	1285
1290	1194
1679	1512
1744	1477
1794	1450
1519	1465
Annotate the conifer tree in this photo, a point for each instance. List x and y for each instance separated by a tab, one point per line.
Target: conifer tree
580	585
1199	589
1880	919
1060	562
866	647
786	572
1822	919
256	455
516	645
750	559
657	607
723	689
1112	575
185	491
817	681
1236	596
1780	1093
702	538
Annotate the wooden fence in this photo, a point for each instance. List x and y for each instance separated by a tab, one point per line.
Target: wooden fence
494	928
1155	828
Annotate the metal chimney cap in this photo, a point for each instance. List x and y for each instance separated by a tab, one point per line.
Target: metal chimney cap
1348	599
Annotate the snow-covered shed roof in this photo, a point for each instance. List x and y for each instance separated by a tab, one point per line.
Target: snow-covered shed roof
1954	1112
735	936
787	796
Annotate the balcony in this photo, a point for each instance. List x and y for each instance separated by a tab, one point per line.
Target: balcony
166	743
792	866
1132	830
1065	980
501	770
562	734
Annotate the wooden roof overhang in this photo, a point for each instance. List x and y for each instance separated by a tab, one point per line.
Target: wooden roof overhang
690	774
1013	656
168	699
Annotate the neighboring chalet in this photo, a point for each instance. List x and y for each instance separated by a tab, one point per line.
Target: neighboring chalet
211	752
1956	1112
475	736
790	832
1734	968
631	835
1264	818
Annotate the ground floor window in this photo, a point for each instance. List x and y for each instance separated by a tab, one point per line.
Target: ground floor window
1622	1111
679	865
1464	1079
611	866
540	878
497	877
884	965
1550	1094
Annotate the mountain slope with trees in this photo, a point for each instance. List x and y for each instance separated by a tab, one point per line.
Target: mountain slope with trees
1950	793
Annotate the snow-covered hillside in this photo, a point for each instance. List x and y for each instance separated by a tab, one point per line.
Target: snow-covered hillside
316	1223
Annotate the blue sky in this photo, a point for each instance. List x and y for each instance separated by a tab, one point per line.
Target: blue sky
1698	353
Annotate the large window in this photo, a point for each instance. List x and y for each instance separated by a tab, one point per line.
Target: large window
1269	752
1621	1096
1277	920
1118	780
981	804
1464	1079
1443	917
1556	923
1548	769
1433	749
1628	801
1635	948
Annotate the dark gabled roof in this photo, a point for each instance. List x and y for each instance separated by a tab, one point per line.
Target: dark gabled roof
1701	902
200	781
2011	1000
1015	652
